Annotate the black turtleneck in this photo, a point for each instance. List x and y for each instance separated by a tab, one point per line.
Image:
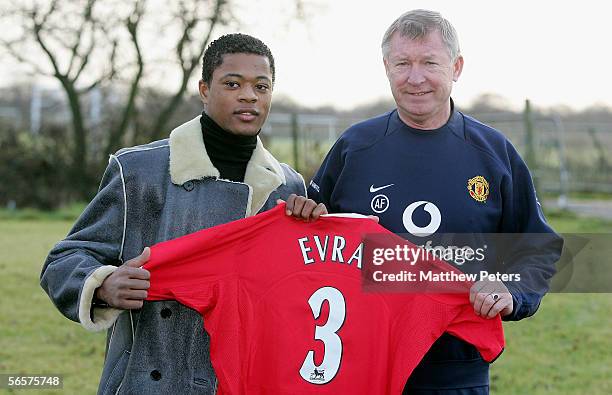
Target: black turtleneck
228	152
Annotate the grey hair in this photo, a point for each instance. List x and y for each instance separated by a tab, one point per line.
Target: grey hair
417	24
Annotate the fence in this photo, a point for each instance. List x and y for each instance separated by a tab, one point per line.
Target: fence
564	156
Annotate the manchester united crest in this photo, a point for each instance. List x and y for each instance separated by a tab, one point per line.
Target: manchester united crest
478	188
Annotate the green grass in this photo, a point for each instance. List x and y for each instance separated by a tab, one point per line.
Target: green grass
567	222
566	348
34	337
580	195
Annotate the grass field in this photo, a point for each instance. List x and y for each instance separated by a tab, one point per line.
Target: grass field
34	337
565	349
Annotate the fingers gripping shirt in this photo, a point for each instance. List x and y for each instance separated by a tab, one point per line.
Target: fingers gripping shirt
283	304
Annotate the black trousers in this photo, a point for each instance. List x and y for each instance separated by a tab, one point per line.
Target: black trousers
451	367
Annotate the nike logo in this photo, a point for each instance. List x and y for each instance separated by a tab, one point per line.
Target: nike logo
372	189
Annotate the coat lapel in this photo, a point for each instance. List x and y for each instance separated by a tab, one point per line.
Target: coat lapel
190	161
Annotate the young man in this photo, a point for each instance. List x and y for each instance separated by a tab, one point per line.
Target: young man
427	169
211	170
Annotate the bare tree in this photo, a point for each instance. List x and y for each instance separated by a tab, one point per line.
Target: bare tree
85	44
190	48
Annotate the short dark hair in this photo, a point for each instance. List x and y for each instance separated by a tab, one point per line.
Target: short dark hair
232	43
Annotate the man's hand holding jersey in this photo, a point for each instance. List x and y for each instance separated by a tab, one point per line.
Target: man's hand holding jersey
303	208
307	209
126	287
490	298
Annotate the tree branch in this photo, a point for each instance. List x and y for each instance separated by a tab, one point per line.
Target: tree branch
15	54
187	63
74	51
132	24
36	30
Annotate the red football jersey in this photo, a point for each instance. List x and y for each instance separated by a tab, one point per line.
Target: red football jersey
284	307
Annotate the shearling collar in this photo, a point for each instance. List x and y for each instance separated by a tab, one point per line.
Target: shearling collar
190	161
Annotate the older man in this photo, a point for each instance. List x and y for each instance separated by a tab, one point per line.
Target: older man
427	169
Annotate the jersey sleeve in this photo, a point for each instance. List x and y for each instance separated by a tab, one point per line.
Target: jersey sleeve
534	248
199	270
487	335
189	269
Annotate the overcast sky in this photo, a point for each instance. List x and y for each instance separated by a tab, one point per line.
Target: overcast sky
552	52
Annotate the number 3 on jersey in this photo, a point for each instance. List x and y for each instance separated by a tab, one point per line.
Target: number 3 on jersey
332	357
